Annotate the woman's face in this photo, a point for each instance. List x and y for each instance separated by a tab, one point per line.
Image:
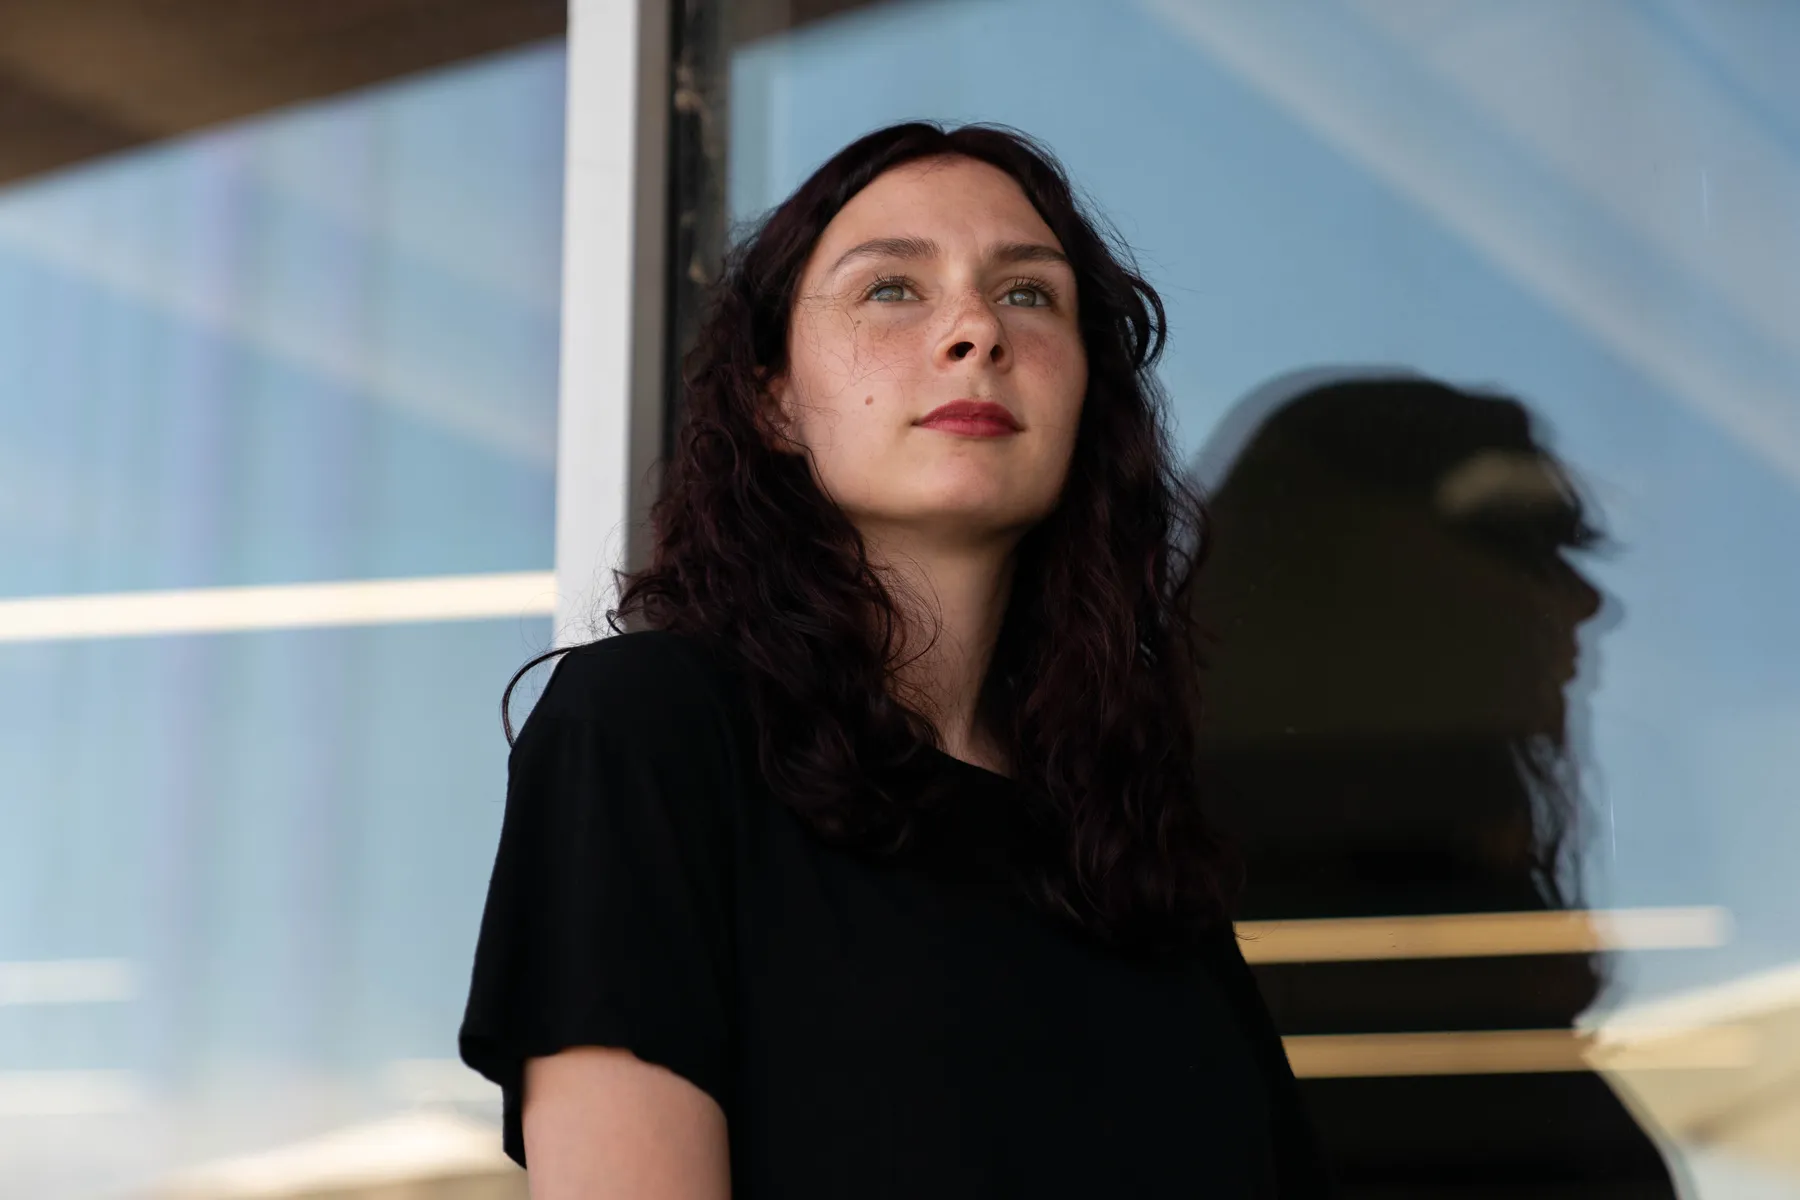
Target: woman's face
937	283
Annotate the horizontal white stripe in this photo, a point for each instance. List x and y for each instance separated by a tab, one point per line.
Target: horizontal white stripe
279	606
1769	994
1511	1052
68	981
416	1153
1484	935
68	1093
427	1081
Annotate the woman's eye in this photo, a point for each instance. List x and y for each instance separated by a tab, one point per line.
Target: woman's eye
1026	297
888	292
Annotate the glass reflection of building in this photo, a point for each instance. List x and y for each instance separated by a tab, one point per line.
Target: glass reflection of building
279	321
282	300
1581	206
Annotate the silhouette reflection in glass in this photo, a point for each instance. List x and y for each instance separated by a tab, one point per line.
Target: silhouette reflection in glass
1392	611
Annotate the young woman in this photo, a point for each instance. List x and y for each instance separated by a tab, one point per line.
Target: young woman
870	862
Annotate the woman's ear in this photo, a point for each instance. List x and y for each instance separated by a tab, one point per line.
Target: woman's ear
774	413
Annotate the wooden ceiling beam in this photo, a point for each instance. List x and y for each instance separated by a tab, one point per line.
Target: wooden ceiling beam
84	79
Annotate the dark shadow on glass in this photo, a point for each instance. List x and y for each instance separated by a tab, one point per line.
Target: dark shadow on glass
1392	609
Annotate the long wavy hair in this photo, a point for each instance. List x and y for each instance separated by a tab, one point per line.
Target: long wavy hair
1091	688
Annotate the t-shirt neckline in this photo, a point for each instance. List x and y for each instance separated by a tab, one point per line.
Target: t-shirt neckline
992	778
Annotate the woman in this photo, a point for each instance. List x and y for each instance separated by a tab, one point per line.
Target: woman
871	864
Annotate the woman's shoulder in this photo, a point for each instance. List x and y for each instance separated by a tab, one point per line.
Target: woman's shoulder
651	715
644	677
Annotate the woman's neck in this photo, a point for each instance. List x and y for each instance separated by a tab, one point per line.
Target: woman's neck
960	595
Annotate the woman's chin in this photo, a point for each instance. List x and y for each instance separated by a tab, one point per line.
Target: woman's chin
983	496
959	518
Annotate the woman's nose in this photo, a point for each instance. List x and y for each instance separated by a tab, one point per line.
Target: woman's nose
975	332
962	350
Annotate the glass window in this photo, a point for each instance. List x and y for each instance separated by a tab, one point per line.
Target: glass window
1446	285
277	438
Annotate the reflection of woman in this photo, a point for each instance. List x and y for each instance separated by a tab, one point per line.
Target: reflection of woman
871	867
1396	621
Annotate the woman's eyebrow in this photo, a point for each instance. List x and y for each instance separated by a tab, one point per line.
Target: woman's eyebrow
888	247
1024	252
1005	254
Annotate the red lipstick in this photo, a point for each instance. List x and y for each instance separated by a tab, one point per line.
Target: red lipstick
972	418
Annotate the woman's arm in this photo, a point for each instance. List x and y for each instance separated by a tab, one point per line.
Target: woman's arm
609	923
601	1123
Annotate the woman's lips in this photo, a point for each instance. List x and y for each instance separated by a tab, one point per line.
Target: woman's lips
972	418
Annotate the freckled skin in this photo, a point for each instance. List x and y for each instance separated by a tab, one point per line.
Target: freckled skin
961	324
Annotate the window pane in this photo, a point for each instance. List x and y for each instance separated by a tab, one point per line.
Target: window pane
1587	208
319	344
245	836
259	860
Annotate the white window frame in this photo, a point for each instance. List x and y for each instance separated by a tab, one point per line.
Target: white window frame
610	403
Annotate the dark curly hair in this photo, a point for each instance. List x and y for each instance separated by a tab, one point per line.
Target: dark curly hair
1091	687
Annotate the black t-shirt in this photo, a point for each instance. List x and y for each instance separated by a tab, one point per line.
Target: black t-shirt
870	1027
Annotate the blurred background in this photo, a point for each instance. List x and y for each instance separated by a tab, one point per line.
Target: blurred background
335	349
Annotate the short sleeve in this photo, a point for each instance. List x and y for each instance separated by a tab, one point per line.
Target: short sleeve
608	919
